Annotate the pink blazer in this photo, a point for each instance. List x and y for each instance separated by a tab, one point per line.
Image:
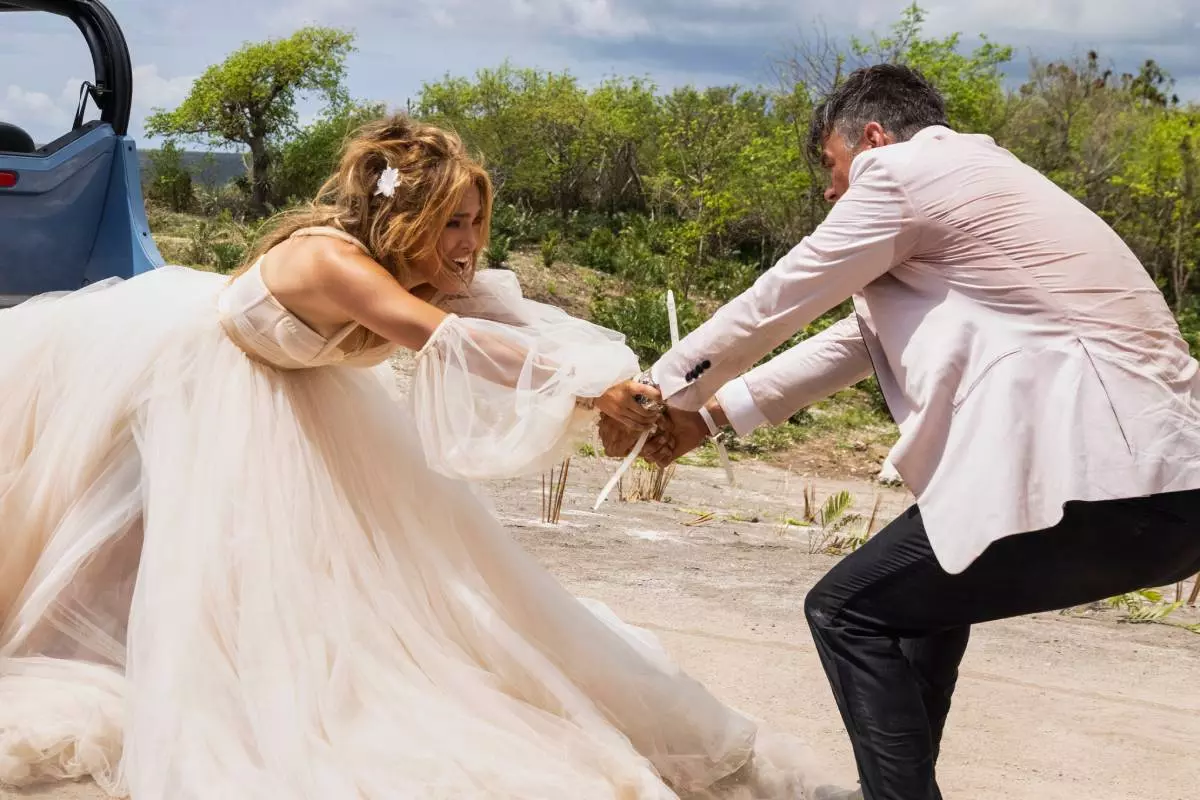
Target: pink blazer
1027	356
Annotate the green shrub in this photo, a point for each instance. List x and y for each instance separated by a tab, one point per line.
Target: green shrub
550	248
498	251
510	222
599	251
233	198
642	317
1189	325
312	155
227	256
170	182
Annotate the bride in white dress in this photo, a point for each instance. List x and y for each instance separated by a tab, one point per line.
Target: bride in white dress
233	566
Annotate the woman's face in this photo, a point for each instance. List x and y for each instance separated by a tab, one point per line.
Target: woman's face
452	269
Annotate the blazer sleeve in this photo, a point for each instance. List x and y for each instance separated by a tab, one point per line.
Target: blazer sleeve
810	371
871	229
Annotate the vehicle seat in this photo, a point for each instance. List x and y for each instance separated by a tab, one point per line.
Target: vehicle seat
15	140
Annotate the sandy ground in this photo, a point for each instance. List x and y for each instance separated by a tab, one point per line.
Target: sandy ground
1049	707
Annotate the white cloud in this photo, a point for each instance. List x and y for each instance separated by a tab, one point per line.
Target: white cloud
588	18
33	111
1093	21
402	45
152	90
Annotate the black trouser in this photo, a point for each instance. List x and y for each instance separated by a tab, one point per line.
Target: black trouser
891	626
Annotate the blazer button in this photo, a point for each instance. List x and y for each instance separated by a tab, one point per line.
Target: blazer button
690	376
705	364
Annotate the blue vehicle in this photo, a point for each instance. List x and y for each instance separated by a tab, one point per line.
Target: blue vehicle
71	210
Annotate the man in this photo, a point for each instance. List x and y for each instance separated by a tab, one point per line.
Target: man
1049	411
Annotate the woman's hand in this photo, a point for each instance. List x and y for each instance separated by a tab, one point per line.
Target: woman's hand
624	403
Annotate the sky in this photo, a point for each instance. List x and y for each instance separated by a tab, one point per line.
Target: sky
402	44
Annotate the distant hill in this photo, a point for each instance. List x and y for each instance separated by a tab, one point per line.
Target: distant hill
208	169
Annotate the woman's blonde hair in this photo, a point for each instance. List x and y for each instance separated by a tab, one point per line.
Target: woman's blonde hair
433	170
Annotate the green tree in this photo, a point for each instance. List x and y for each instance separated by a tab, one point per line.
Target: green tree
699	142
535	127
1157	206
170	181
971	83
491	114
627	118
308	158
250	98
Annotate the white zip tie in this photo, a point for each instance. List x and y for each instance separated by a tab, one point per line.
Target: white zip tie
722	455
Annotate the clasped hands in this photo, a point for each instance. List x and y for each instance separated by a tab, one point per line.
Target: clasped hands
623	418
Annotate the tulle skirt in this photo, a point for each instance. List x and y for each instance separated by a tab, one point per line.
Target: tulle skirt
223	580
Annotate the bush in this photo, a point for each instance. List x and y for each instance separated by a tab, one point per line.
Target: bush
497	251
1189	326
219	243
311	156
170	182
637	262
600	251
523	226
232	199
725	279
580	224
768	439
550	248
510	222
642	317
644	252
227	256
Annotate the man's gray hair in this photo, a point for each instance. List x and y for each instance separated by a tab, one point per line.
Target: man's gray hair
899	98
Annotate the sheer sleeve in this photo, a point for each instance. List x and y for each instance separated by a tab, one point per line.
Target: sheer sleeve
495	388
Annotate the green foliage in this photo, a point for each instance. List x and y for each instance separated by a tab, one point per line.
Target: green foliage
227	256
767	439
598	251
511	222
250	98
1189	324
218	243
700	189
307	159
972	84
642	317
550	248
833	520
497	251
231	199
170	182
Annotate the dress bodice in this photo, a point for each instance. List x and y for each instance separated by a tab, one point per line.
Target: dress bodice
268	332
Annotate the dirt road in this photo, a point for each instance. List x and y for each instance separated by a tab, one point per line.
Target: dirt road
1049	707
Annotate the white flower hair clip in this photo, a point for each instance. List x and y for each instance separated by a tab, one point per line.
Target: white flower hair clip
386	185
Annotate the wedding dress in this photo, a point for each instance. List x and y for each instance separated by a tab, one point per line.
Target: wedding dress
233	566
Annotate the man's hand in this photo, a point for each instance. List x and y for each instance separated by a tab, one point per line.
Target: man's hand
679	432
617	439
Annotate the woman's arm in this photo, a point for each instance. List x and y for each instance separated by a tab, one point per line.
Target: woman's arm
367	293
364	291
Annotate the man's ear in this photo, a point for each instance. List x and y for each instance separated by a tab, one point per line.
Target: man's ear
875	136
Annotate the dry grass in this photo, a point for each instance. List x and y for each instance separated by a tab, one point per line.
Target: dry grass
553	492
644	481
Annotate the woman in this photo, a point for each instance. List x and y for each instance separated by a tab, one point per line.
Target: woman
232	566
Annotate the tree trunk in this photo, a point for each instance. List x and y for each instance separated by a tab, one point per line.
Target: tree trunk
260	175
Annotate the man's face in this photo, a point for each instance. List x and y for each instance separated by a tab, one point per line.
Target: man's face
837	155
